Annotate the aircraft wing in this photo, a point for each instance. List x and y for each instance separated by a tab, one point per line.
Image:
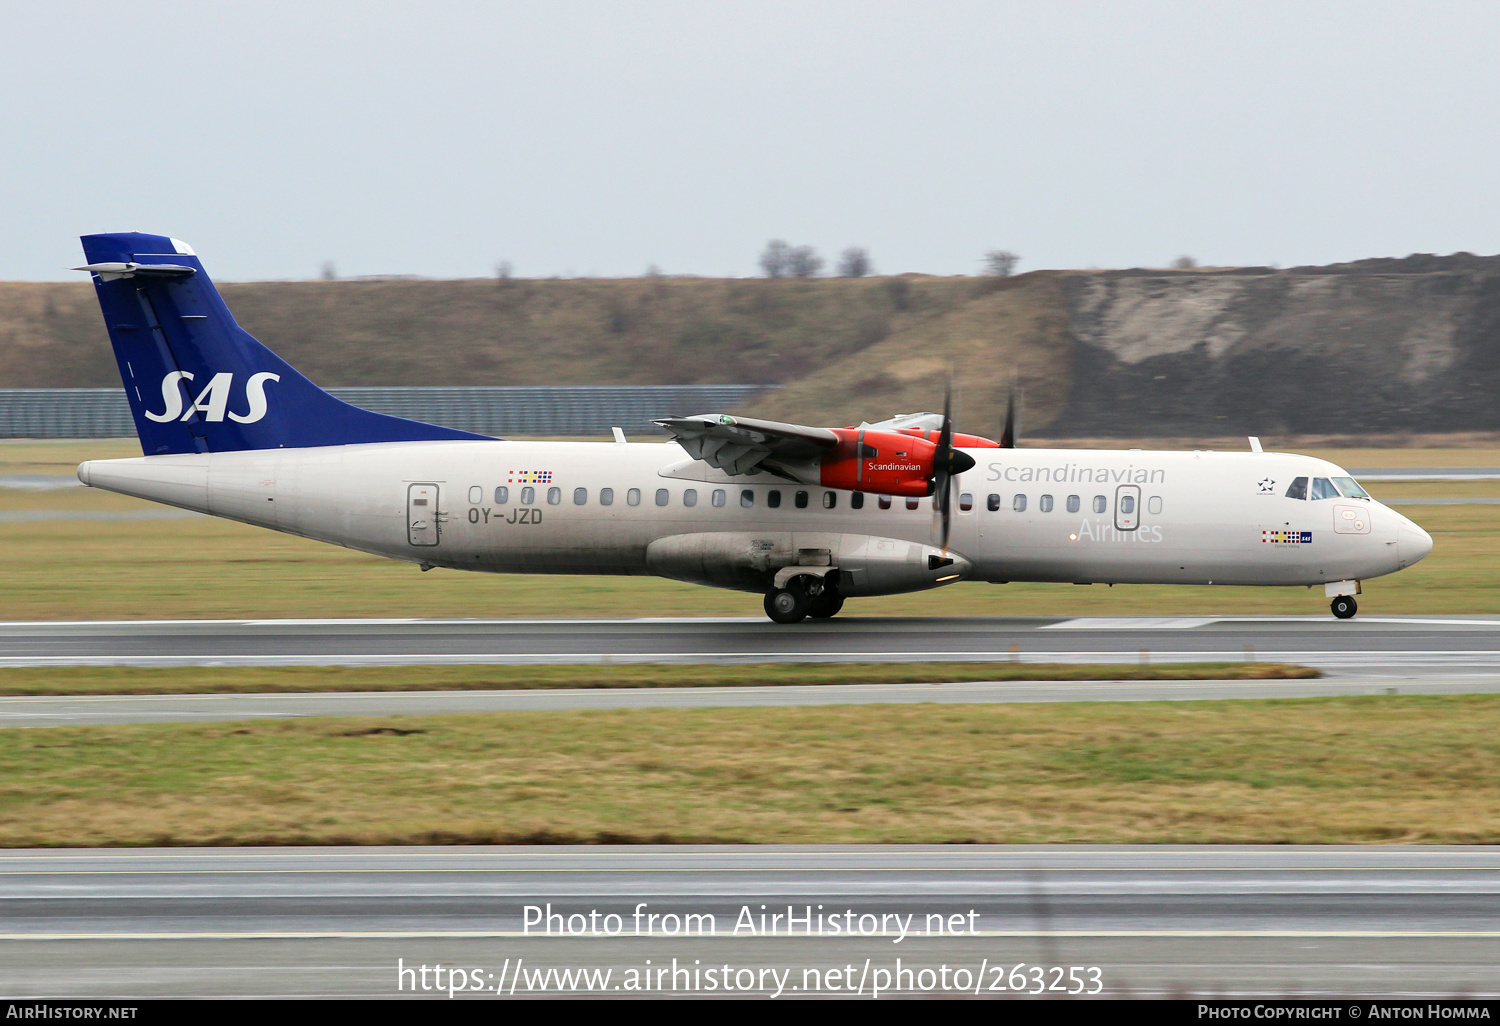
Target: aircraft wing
741	445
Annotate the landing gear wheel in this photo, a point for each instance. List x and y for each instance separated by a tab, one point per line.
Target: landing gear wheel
1344	607
787	605
826	605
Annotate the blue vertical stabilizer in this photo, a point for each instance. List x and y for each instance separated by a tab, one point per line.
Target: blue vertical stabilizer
196	380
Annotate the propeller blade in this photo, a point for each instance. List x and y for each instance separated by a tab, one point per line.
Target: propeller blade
945	437
1008	436
947	510
944	460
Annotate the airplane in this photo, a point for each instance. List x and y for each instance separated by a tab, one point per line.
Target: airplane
806	516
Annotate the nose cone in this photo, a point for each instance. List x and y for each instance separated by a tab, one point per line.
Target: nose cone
1412	543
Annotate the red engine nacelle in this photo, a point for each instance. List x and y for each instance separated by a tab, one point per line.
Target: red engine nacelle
883	462
960	441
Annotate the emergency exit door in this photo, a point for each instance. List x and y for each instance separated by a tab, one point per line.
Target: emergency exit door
1127	507
424	521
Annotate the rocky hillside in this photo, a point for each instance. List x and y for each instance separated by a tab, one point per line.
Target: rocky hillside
1378	345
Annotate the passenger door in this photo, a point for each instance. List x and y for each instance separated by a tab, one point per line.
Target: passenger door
424	521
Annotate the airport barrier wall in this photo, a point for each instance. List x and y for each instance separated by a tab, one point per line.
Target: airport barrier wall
490	410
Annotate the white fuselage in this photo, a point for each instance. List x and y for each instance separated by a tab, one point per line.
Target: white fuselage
1192	518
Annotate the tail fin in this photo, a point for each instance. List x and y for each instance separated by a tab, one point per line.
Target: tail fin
196	380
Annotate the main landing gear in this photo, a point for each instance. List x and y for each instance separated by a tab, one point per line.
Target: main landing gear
1344	607
804	595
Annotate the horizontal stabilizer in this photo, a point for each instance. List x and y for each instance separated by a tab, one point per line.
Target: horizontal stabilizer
113	270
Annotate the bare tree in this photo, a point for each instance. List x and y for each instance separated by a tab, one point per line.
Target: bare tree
855	263
775	259
503	270
804	262
328	273
1184	263
1000	262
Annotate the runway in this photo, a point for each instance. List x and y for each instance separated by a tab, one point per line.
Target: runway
1366	644
103	710
1412	921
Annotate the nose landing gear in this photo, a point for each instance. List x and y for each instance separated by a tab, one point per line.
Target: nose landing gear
1344	606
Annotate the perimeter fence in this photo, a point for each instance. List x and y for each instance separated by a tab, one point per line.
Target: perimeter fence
487	409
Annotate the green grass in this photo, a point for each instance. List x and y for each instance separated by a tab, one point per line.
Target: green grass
1315	771
199	680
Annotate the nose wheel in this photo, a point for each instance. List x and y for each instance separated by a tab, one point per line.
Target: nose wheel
1344	607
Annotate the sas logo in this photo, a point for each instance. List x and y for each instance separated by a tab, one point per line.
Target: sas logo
213	401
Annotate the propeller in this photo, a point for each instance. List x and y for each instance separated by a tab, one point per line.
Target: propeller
947	463
1008	436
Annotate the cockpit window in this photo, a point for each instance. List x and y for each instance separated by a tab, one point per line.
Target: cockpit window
1350	488
1298	489
1322	488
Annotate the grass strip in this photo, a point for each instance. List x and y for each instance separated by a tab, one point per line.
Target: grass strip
199	680
1309	771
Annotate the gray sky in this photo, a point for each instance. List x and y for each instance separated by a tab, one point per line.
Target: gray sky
597	138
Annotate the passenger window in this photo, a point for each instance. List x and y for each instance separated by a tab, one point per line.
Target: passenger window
1297	489
580	496
1322	488
719	498
606	496
885	502
662	496
1044	504
528	496
1127	504
857	500
690	497
800	500
1074	504
830	500
773	498
1018	503
747	498
476	495
992	503
554	495
965	501
911	503
1100	504
419	502
1350	488
633	497
1153	504
502	495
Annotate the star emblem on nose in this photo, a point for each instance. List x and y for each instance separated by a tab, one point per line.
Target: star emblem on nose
1266	484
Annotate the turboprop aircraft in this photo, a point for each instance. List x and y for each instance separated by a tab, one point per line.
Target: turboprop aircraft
808	516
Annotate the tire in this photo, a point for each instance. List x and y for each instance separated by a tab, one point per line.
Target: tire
1344	607
825	605
787	605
